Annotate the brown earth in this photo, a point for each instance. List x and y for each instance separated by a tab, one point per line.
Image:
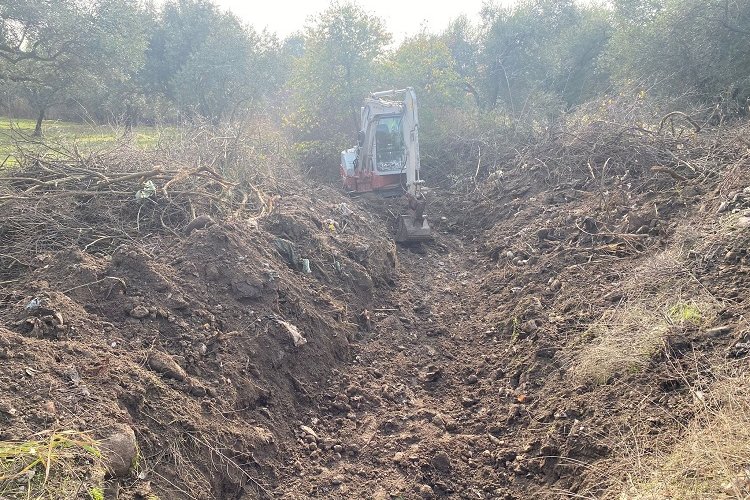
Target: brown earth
448	370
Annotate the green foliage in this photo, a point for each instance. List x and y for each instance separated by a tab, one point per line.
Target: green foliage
96	493
520	69
540	51
684	312
207	62
692	48
53	53
515	330
51	465
336	71
425	62
15	138
321	157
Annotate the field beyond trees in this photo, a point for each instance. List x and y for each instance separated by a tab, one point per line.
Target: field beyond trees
192	307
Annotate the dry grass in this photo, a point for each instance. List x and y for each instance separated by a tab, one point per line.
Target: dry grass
711	459
57	198
659	297
65	464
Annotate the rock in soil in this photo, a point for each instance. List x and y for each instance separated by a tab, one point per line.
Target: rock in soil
139	312
163	363
441	462
119	451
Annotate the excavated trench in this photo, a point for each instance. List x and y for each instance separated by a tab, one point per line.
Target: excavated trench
410	415
474	375
497	361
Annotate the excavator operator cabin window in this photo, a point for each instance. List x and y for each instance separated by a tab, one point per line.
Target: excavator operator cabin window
389	144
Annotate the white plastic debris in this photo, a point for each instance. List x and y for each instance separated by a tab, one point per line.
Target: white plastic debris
149	189
297	337
34	304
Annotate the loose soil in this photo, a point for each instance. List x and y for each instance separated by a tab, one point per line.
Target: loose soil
444	370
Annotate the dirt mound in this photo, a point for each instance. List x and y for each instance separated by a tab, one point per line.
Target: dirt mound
207	339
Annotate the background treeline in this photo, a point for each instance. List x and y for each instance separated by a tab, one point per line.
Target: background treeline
519	70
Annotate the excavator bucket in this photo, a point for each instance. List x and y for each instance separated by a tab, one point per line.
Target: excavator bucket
411	231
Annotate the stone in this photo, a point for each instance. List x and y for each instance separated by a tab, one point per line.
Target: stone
719	331
119	451
139	312
450	424
426	491
441	462
163	363
529	326
467	402
308	430
438	421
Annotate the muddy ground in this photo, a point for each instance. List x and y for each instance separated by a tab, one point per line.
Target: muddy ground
449	369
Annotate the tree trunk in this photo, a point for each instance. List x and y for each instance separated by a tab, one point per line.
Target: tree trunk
39	120
129	118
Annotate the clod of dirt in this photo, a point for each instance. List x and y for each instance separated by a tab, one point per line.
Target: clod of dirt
199	223
139	312
49	407
426	491
739	350
438	421
430	374
119	451
467	402
441	462
163	363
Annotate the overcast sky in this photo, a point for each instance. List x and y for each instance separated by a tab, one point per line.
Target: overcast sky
403	17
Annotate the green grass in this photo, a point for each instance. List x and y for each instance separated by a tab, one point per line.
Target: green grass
86	137
50	465
683	312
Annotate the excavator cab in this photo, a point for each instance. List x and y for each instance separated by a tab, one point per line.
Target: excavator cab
386	158
390	154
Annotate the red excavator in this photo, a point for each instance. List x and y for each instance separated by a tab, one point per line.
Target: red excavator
386	158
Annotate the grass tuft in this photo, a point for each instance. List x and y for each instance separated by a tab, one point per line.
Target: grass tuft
682	313
659	295
52	465
711	459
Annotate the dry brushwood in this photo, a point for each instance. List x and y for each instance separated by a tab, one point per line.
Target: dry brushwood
57	198
669	116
